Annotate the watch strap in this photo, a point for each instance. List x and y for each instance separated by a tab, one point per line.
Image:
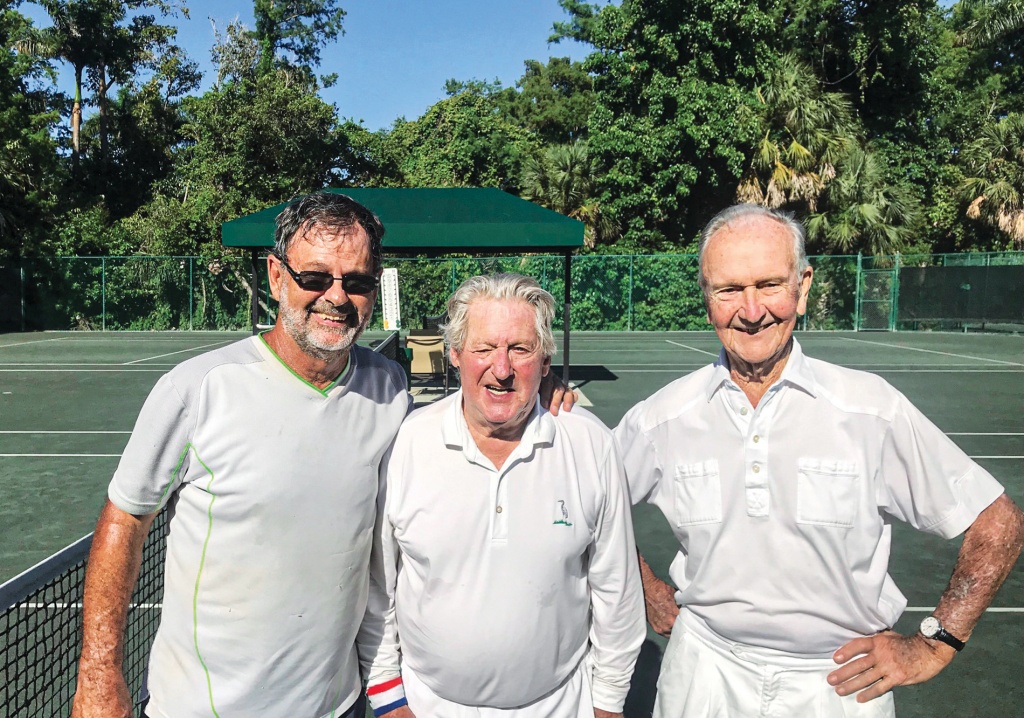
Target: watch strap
949	639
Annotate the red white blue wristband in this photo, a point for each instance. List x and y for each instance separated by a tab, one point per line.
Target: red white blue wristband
387	696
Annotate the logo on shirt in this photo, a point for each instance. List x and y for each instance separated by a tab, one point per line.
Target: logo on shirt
561	515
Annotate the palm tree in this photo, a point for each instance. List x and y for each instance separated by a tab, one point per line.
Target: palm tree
994	188
804	132
862	210
995	19
562	178
72	38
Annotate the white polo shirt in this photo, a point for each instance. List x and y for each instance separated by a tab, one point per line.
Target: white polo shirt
784	512
507	578
272	484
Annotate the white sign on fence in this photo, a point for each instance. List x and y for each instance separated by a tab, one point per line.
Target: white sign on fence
389	298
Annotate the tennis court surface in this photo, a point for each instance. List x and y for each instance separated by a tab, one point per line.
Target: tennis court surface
68	402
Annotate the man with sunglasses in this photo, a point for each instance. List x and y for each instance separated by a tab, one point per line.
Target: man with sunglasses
266	452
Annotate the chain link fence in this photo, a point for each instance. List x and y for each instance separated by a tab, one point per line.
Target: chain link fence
609	292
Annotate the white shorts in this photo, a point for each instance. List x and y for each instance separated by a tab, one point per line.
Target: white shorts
570	700
705	676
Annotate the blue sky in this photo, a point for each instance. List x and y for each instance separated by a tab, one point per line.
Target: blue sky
396	54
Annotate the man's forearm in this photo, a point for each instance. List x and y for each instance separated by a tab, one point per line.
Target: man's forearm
989	550
110	578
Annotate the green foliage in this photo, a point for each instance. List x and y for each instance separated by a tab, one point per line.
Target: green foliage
28	160
673	86
994	187
562	178
552	101
293	32
461	141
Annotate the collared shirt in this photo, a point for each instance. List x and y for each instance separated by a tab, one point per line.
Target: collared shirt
502	580
784	512
273	486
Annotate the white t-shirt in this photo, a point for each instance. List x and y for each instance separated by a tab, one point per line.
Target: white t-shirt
507	578
273	486
783	512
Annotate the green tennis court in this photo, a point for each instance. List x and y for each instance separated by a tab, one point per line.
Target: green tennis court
68	402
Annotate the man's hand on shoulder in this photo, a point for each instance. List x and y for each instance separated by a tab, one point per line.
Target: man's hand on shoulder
102	694
874	665
554	395
598	713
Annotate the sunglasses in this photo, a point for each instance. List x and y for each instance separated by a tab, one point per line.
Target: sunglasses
353	283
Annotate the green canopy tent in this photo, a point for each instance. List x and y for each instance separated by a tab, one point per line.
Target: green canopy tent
439	221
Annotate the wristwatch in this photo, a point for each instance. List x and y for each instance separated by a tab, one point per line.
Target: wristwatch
931	628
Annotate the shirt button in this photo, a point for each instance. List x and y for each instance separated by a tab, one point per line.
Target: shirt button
743	411
498	509
756	468
756	438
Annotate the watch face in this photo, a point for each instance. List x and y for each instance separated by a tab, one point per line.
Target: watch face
930	626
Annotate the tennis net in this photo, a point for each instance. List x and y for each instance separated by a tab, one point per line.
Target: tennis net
41	628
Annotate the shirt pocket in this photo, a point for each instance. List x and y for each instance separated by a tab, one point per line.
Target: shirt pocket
826	492
698	493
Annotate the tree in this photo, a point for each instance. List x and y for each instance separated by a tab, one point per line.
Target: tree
461	141
803	133
553	101
291	33
669	128
98	40
562	178
994	187
995	19
27	151
862	211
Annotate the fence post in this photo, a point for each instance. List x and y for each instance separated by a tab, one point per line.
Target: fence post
191	293
103	293
894	295
629	317
858	292
21	266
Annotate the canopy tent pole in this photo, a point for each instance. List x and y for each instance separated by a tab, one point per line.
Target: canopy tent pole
254	304
565	318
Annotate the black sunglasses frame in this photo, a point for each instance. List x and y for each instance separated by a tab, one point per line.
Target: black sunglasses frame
322	281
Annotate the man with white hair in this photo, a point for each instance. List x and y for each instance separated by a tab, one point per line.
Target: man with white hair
781	476
512	575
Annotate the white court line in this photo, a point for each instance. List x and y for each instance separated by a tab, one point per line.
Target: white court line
65	371
693	349
881	371
69	363
950	371
997	457
931	351
983	433
39	341
182	351
50	456
65	432
990	609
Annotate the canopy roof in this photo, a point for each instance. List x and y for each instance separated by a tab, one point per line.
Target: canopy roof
435	221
